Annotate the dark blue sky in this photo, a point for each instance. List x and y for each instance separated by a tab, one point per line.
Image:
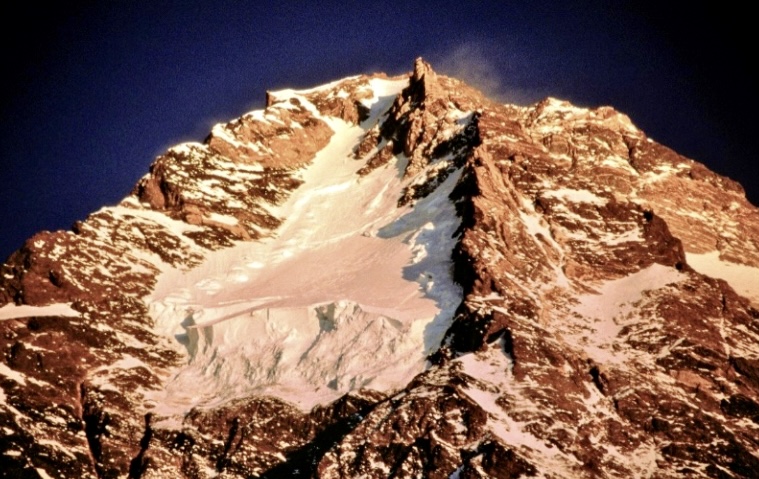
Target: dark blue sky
97	90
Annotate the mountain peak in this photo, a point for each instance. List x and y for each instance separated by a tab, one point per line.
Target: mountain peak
393	276
421	69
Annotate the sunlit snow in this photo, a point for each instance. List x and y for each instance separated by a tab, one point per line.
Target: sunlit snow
743	279
11	311
577	196
493	370
613	306
351	291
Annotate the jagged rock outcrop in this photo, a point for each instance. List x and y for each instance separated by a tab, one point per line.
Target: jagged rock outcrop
393	277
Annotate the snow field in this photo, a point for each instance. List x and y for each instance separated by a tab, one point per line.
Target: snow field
351	291
742	278
609	309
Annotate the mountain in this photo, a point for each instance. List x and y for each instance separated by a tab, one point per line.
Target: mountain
393	277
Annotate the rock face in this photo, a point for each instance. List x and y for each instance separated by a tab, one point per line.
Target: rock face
393	277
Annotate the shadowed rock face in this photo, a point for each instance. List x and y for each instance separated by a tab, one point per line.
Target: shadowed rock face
608	325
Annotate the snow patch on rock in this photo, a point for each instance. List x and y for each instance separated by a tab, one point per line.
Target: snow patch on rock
742	278
615	304
12	311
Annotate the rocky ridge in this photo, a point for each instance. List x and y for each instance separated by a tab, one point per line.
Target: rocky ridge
606	326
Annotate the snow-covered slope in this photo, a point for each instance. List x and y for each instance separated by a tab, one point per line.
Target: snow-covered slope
393	277
303	314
